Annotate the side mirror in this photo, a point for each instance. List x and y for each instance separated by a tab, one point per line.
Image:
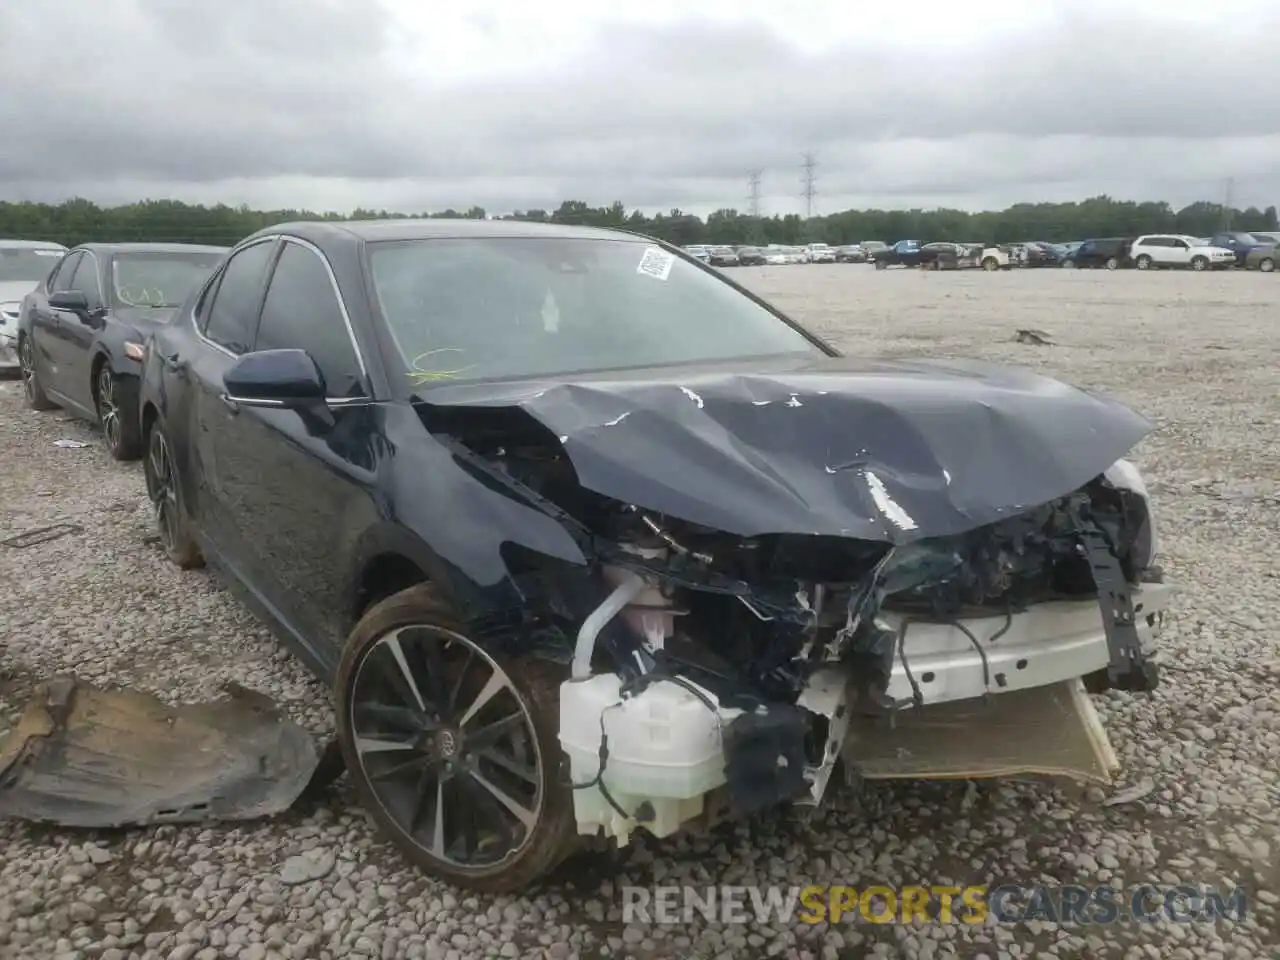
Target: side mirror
275	378
73	300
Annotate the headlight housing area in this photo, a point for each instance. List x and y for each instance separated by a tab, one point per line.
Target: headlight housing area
1140	522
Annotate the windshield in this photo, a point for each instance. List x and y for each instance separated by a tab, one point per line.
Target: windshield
475	309
27	264
159	279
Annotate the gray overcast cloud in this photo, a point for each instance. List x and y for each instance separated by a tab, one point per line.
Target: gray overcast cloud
330	104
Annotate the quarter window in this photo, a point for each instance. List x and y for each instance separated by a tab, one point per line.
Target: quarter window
234	308
302	312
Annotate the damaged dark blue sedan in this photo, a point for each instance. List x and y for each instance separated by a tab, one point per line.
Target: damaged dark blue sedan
589	539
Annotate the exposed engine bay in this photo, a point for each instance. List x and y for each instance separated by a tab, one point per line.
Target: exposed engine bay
708	664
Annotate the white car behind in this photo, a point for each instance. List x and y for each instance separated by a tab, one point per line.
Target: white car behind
1178	250
23	265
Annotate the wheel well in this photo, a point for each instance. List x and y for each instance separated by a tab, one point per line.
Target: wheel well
384	575
98	360
149	414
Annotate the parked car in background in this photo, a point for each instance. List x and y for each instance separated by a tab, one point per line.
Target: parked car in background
905	253
1109	252
751	256
24	264
81	333
1035	253
819	253
872	246
851	253
1178	250
722	257
435	495
699	251
1262	258
1267	236
777	257
972	254
1238	243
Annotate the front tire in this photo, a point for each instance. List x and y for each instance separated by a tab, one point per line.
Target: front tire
117	400
37	399
1113	263
454	751
1199	263
165	493
1068	264
990	264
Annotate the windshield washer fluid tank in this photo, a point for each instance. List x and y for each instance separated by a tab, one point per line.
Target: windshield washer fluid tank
664	748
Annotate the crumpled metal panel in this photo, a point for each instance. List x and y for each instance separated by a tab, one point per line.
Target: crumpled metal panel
884	451
85	757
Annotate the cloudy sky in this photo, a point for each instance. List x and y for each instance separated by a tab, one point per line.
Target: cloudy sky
422	104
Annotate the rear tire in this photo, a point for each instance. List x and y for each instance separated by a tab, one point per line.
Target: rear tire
1112	263
880	264
1068	264
1144	262
1266	264
405	667
990	264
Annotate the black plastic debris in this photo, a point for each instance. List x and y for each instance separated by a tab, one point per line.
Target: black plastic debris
31	538
85	757
1037	337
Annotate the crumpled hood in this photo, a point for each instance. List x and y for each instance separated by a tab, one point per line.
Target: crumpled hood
887	451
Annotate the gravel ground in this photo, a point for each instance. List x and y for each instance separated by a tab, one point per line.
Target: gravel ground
1196	353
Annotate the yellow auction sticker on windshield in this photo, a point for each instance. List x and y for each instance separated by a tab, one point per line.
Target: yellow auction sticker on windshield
656	263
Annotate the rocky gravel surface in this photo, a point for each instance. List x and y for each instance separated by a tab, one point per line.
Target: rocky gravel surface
1198	354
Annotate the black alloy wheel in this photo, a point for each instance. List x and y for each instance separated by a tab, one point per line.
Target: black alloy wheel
165	494
31	389
117	400
454	752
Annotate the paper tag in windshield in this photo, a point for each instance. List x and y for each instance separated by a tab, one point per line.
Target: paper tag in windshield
656	263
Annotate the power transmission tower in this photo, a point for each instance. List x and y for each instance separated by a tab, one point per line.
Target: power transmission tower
810	182
753	179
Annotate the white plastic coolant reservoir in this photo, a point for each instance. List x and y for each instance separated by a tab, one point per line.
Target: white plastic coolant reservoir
664	748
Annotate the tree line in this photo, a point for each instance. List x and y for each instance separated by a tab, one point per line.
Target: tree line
79	221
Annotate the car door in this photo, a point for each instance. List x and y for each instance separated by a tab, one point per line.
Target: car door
226	318
313	469
47	333
78	333
1178	251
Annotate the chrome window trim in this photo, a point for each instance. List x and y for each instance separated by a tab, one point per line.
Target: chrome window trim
97	273
218	275
365	398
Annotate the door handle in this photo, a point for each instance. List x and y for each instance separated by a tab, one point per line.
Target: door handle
173	361
230	404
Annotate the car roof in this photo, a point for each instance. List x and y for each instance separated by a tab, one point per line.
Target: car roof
108	248
438	229
30	244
